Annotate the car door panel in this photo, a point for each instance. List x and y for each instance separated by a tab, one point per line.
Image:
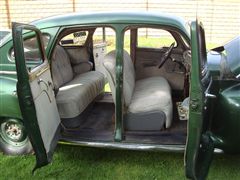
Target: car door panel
146	64
200	142
36	97
43	95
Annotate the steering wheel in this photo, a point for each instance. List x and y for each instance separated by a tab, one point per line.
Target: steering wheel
166	55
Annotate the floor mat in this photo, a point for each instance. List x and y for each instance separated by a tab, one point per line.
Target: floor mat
100	117
97	124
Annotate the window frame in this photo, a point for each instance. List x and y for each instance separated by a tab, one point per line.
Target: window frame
11	57
71	32
155	28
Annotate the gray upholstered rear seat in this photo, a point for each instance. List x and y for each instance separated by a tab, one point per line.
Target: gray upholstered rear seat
148	101
76	92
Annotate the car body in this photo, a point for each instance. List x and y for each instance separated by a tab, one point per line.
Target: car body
4	33
171	97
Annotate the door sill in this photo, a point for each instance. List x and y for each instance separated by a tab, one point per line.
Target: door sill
124	145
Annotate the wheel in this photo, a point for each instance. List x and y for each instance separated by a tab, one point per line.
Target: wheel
13	137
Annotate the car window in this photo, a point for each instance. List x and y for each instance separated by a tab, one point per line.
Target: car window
30	44
99	35
32	51
104	35
127	41
74	39
154	38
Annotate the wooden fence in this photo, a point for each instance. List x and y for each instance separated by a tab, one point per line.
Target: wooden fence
221	18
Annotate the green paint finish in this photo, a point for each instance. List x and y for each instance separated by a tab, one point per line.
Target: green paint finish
112	18
199	148
26	101
8	98
226	122
119	82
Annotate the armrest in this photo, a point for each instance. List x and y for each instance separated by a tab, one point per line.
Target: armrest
90	64
83	67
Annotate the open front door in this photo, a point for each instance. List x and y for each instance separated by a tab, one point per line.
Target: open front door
35	92
200	146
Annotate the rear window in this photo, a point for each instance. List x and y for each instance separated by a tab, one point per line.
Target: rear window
74	39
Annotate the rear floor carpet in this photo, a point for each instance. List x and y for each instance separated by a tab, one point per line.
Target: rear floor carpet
98	125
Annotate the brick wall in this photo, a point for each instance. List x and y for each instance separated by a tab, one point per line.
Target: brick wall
221	18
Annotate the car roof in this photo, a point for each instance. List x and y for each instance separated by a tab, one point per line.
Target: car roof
112	18
121	17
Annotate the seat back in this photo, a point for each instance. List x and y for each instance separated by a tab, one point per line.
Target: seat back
109	64
61	67
80	59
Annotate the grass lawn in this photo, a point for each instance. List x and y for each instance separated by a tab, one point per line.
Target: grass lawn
152	42
72	162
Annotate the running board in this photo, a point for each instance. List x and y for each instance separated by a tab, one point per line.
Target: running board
126	146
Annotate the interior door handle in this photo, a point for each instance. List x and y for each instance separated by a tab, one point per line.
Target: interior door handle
49	98
42	81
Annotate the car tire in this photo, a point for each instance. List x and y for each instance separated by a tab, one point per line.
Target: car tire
13	137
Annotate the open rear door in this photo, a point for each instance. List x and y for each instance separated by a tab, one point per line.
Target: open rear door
35	92
200	146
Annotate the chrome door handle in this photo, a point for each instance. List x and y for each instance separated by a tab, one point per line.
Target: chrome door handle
42	81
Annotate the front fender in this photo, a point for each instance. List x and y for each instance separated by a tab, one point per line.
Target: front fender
9	106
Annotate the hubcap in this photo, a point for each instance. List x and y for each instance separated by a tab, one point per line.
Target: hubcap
12	132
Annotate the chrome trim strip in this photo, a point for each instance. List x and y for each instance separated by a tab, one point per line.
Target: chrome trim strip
130	146
39	70
8	72
127	146
238	76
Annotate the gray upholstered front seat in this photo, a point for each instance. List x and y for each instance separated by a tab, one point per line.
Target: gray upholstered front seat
75	91
147	101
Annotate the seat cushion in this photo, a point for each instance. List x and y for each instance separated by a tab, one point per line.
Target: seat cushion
145	121
148	102
152	95
76	95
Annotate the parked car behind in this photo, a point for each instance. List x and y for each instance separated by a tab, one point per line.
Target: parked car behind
4	33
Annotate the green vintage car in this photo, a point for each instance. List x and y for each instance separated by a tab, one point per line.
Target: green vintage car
124	80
